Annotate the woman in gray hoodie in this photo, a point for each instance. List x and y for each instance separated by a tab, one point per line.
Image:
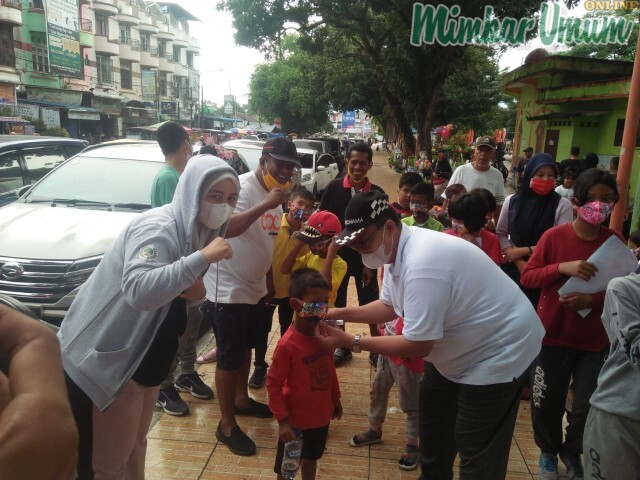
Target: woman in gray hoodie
121	333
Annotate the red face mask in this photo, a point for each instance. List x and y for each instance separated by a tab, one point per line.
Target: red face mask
542	186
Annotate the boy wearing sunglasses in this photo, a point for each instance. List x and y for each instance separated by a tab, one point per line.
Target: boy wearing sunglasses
420	202
304	394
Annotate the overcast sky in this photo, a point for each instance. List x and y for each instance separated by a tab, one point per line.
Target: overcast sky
218	51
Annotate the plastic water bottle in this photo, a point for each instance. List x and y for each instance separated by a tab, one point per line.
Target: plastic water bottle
291	458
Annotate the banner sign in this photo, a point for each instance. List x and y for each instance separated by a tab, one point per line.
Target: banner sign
63	38
348	118
68	98
51	117
149	86
168	108
7	93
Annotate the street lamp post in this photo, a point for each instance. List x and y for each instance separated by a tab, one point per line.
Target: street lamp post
202	94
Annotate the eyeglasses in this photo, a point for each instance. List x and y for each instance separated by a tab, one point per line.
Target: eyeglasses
364	243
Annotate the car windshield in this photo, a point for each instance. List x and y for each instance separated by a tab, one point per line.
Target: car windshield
98	180
306	159
309	144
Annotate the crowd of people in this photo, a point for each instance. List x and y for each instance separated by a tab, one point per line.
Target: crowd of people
463	347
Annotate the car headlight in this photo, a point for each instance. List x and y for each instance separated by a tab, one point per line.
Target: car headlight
306	178
80	270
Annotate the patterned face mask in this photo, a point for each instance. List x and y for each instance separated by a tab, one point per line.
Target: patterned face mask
594	213
418	207
299	214
314	311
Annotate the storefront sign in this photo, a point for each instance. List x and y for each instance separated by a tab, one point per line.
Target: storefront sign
149	86
63	34
348	118
82	115
168	108
51	117
7	93
68	98
106	105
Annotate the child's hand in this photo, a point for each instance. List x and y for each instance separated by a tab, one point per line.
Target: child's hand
511	254
333	247
285	431
337	409
576	301
578	268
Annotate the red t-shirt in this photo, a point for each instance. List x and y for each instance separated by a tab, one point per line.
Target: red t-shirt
394	327
302	383
564	327
490	244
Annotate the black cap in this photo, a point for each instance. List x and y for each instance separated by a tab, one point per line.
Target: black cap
282	149
486	141
528	149
362	211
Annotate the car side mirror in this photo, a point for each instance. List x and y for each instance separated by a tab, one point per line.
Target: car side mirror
23	190
320	168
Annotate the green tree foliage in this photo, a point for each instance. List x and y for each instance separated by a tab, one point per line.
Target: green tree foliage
374	64
611	51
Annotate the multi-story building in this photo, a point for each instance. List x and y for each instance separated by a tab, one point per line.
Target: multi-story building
98	66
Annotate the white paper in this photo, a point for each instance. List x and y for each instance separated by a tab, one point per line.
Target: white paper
613	259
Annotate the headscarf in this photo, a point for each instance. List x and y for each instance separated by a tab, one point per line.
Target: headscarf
530	214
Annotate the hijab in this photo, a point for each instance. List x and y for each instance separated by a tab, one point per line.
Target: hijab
530	214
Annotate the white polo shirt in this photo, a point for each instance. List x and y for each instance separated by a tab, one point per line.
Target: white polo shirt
484	329
471	178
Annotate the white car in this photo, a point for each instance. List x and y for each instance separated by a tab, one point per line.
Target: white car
55	234
318	169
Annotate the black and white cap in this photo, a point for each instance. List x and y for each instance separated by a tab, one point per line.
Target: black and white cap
363	209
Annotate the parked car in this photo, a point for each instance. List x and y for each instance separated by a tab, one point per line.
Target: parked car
318	169
55	234
320	145
25	159
336	150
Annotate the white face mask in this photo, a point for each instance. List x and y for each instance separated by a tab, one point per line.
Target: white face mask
377	259
213	215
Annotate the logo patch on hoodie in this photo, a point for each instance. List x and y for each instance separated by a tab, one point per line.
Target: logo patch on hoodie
148	253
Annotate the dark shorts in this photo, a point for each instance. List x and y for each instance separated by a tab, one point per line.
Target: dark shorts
314	441
235	328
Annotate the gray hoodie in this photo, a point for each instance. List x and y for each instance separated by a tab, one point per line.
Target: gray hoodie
118	311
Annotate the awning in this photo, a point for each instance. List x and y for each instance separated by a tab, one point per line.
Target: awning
13	120
561	115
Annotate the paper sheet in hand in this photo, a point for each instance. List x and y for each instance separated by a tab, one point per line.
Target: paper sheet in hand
613	259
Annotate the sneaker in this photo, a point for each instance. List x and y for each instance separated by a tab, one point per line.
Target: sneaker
209	357
257	409
341	355
365	438
574	466
373	360
258	377
192	383
547	467
409	459
169	400
238	442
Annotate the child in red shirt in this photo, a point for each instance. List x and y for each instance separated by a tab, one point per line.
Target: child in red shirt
468	215
575	345
302	383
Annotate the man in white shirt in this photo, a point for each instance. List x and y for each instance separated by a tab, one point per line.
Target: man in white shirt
237	289
479	344
480	174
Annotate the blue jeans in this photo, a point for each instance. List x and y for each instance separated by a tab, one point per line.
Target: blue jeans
475	421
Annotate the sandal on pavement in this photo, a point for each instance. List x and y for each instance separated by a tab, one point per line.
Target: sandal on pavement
238	442
365	438
409	459
257	409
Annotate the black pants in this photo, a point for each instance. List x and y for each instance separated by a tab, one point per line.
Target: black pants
475	421
264	323
82	408
551	373
366	293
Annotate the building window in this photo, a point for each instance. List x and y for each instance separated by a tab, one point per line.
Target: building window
145	41
125	34
617	140
7	55
102	25
164	85
126	78
105	70
39	53
176	54
190	59
36	5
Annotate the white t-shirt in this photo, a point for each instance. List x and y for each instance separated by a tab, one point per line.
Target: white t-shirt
471	178
565	192
485	330
242	278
